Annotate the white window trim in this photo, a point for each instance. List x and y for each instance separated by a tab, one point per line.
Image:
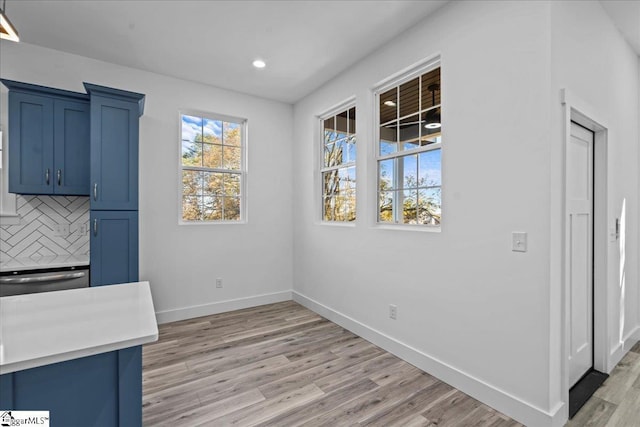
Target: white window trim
395	80
319	169
243	122
403	76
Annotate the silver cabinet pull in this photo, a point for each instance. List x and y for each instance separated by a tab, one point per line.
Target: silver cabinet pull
46	176
95	191
59	173
38	279
95	227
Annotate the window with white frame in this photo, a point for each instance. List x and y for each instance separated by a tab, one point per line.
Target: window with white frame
409	147
338	168
212	168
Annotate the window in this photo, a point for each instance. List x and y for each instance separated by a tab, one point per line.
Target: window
212	168
338	166
409	150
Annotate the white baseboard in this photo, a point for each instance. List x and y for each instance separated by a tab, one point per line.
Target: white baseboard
623	348
220	307
502	401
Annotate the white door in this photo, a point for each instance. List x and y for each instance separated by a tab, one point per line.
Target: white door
580	245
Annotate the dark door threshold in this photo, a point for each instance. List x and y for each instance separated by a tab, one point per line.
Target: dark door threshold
584	389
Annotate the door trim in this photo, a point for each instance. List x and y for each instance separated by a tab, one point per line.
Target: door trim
580	112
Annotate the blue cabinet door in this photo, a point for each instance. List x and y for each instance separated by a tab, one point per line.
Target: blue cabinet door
71	147
30	144
104	390
114	154
113	247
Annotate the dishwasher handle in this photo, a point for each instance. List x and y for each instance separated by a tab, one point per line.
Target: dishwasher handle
39	279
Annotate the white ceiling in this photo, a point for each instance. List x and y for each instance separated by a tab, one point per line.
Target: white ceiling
305	43
626	16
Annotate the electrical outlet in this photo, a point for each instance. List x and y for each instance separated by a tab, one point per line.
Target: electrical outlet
393	311
218	282
519	242
61	230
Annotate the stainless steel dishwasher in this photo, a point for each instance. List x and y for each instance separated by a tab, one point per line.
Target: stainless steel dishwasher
53	279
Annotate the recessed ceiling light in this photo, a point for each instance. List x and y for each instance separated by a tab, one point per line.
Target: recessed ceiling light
259	63
433	125
389	103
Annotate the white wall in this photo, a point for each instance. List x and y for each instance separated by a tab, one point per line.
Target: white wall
464	298
594	64
182	262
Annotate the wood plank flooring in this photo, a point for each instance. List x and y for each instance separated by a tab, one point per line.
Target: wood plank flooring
283	365
617	402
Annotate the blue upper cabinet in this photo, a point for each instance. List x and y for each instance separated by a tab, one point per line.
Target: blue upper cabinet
71	147
114	147
30	143
48	140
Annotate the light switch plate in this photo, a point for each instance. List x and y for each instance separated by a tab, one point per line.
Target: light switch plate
519	242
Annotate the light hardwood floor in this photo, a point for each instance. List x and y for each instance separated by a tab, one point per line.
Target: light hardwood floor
283	365
617	402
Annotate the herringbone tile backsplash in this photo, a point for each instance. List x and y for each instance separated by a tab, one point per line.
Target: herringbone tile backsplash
35	236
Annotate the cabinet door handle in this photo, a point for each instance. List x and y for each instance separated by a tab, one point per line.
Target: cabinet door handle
59	177
46	176
95	227
95	191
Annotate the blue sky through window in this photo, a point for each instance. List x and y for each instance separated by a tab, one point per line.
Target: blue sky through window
193	126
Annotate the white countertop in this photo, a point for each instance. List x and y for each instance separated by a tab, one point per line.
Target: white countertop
50	327
18	264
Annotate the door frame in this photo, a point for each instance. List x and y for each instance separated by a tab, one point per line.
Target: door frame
578	111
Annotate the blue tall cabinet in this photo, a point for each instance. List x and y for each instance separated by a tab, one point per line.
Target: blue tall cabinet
114	184
67	143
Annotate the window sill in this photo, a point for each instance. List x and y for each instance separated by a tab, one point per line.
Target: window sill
407	227
349	224
200	223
